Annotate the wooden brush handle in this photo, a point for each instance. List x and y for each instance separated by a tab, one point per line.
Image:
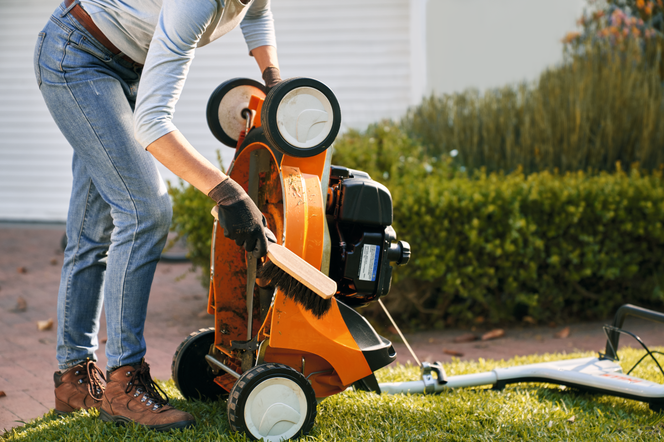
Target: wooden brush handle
302	271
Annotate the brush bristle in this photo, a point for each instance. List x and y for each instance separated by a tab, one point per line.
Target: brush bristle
293	289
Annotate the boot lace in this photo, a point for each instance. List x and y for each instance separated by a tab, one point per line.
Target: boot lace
95	377
152	393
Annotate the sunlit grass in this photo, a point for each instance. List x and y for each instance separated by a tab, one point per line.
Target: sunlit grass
520	412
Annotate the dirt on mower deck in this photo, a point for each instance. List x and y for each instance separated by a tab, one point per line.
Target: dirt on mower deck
30	264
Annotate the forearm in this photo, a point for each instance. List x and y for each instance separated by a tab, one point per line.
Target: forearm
174	151
266	56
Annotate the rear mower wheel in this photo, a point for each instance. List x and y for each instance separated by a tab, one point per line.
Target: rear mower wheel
191	373
272	402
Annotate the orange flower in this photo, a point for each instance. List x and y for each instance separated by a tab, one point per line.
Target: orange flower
571	36
636	32
640	3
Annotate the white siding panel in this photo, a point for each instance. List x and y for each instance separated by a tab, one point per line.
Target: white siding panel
35	159
360	49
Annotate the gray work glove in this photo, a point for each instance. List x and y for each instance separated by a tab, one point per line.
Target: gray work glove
271	77
240	218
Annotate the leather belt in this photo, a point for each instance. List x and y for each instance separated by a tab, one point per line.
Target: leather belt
86	21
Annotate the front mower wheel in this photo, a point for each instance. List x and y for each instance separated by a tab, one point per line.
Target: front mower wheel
191	373
272	402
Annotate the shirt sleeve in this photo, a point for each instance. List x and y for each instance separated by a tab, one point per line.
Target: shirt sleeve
258	25
179	28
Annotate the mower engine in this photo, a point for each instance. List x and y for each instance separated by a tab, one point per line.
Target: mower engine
359	217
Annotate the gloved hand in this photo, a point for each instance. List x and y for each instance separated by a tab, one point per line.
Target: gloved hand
241	219
271	77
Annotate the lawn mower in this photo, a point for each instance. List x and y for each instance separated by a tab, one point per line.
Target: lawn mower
274	358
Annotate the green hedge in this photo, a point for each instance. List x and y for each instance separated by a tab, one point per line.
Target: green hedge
548	245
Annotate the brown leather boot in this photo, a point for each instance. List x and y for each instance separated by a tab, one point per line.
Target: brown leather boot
132	396
79	387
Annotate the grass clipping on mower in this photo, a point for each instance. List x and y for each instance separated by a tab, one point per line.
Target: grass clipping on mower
299	280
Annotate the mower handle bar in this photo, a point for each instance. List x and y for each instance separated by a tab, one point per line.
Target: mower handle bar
619	319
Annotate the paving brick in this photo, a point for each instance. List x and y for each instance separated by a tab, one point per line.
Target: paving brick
8	419
22	405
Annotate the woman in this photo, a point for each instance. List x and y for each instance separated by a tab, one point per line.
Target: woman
111	72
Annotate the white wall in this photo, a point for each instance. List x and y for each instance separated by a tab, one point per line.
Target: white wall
489	43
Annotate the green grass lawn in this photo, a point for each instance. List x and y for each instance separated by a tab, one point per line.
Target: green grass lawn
520	412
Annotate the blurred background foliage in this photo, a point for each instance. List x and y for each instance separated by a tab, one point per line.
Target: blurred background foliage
541	200
603	105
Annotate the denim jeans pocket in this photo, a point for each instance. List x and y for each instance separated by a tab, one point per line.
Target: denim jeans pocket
37	55
81	43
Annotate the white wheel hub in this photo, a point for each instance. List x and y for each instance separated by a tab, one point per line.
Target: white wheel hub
275	409
231	106
304	117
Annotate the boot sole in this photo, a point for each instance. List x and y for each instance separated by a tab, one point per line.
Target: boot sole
121	420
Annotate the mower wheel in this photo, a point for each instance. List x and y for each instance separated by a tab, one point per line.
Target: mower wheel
301	117
192	374
272	402
226	105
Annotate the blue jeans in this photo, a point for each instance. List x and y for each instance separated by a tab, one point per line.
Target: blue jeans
119	212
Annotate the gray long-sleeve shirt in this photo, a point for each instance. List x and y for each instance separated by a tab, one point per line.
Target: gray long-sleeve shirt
163	35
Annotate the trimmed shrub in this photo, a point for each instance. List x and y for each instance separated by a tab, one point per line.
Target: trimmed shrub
192	220
501	246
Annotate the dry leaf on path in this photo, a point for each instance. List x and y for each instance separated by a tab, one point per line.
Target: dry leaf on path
45	325
22	270
493	334
562	334
468	337
54	262
21	305
452	352
3	394
529	320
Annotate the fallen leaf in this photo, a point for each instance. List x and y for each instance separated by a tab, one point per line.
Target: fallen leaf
562	334
529	320
3	394
21	305
22	270
571	419
45	325
54	262
452	352
493	334
468	337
